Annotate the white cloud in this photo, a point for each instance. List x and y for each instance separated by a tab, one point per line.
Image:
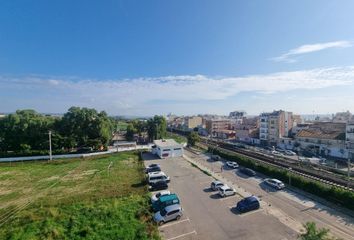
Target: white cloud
145	95
308	48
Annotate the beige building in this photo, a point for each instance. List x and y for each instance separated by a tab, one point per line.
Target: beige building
193	122
274	126
215	125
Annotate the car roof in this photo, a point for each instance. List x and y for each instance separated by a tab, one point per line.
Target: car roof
173	207
166	192
251	199
217	182
225	187
156	173
168	197
276	180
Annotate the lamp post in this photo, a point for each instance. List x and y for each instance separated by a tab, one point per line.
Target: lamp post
50	145
290	176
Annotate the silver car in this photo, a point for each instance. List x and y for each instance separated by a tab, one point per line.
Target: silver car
232	164
215	185
225	191
156	196
169	213
275	183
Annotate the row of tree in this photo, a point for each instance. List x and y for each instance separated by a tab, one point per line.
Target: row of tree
27	130
155	128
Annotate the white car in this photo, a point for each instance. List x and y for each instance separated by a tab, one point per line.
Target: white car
156	196
215	185
290	153
225	191
232	164
157	176
277	184
276	153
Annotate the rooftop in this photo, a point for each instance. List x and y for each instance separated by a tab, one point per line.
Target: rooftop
166	143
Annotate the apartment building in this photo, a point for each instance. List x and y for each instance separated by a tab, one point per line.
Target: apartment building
215	125
274	126
193	122
349	136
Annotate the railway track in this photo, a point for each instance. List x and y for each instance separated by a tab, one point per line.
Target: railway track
320	175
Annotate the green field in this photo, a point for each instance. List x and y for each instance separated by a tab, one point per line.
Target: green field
97	198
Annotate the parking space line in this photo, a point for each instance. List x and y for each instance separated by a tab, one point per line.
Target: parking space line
251	212
171	224
183	235
226	198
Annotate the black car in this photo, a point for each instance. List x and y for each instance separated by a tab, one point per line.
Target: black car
160	185
248	171
247	204
153	169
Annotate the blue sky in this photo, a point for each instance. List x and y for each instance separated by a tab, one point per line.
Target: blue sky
186	57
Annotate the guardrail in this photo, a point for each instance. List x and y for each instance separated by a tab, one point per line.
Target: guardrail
75	155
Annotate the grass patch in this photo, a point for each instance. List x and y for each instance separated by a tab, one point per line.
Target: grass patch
204	171
176	137
77	199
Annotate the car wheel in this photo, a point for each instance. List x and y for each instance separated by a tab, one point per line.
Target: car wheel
178	217
161	223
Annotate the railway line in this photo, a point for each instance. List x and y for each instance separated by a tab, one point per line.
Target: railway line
294	166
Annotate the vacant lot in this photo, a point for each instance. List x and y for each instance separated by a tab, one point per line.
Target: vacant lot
98	198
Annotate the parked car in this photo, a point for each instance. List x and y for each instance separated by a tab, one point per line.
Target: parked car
280	150
153	165
248	204
225	191
276	153
275	183
232	164
215	185
153	169
157	176
165	201
160	185
173	212
156	196
248	171
290	153
215	157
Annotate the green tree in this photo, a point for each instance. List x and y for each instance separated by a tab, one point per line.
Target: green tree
84	127
131	130
157	127
312	233
193	138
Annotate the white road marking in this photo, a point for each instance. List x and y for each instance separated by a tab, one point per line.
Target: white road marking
183	235
226	198
171	224
251	212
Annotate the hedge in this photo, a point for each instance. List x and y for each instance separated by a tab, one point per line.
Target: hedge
333	194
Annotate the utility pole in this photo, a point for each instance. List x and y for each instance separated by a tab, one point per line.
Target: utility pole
349	168
50	145
290	176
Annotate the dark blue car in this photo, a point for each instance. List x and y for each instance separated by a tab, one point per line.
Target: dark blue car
247	204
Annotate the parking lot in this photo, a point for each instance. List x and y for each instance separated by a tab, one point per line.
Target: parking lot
206	215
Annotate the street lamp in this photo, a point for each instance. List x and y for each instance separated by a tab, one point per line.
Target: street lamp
290	176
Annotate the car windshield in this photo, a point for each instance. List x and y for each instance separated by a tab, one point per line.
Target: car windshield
158	195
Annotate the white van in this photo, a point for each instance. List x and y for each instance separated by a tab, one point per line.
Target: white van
157	176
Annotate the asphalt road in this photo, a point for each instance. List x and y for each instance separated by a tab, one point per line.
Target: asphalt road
206	216
290	207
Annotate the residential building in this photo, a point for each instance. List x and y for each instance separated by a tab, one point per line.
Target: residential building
342	117
193	122
215	125
349	137
224	134
323	138
274	126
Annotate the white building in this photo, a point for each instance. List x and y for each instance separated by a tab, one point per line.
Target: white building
166	148
349	137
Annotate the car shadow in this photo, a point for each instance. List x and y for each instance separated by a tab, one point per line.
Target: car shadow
235	211
140	184
242	175
267	188
208	190
215	196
